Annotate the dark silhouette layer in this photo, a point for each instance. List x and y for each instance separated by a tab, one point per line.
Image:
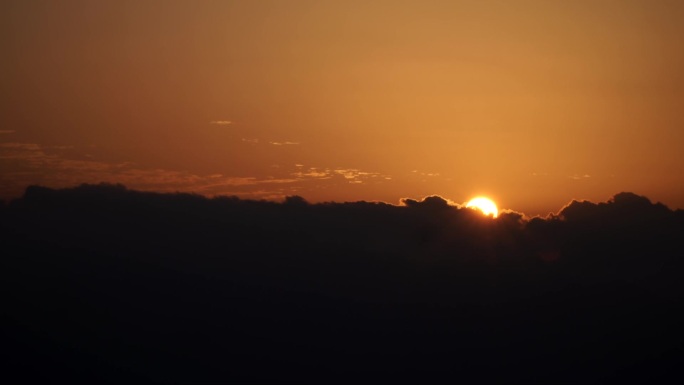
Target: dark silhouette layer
105	284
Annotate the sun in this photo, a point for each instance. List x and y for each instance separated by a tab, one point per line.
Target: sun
486	205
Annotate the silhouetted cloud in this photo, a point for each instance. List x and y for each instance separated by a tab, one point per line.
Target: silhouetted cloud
178	287
431	202
622	206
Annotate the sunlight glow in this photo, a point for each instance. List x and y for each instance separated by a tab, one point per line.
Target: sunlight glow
486	205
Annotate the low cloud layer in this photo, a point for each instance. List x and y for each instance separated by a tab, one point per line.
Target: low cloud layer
184	288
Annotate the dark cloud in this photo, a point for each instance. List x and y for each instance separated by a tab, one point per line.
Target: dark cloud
433	202
103	283
622	207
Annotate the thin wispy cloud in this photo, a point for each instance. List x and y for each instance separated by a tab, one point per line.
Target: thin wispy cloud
21	146
7	131
578	177
284	143
221	122
51	166
313	173
64	166
351	175
433	174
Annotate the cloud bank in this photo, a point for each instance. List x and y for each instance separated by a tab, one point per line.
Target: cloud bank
183	288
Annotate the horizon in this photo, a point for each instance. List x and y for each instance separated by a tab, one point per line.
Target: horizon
402	202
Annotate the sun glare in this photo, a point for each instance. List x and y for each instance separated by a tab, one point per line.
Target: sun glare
486	205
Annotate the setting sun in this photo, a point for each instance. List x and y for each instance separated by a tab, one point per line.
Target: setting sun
486	205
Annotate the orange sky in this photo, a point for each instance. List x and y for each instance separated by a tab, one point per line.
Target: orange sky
532	103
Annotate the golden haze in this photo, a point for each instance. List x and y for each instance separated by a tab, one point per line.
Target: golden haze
532	103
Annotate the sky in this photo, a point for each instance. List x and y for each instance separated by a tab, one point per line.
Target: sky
531	103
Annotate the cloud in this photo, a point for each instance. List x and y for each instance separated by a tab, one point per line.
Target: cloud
430	202
618	211
314	173
221	122
7	131
578	177
284	143
353	175
51	166
56	167
424	176
338	287
350	175
21	146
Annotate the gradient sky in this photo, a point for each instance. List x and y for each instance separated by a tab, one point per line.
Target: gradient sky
532	103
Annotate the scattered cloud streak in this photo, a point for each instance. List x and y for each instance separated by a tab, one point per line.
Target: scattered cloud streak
58	167
424	176
221	122
284	143
350	175
579	177
33	163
